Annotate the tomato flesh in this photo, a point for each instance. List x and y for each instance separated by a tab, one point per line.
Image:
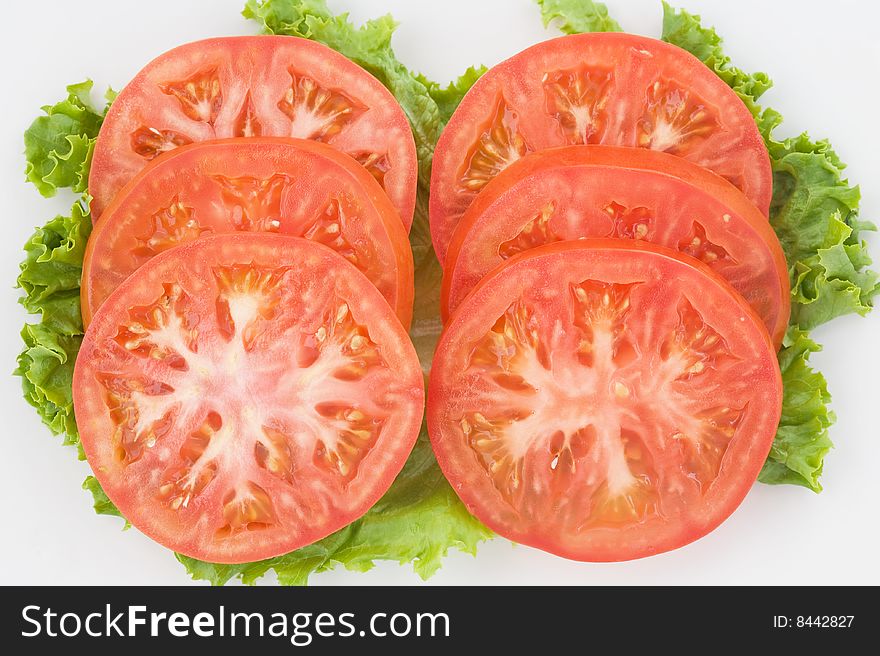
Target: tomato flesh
578	192
244	395
272	185
252	86
603	399
609	89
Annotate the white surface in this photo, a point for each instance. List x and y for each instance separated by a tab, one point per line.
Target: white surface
823	59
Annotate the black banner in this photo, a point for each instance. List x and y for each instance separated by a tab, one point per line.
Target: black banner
435	620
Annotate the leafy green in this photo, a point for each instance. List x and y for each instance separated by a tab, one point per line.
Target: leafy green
802	437
59	145
448	97
576	16
46	369
814	212
685	31
50	273
50	277
418	520
100	501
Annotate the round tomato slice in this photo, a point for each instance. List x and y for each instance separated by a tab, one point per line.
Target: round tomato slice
285	186
604	88
579	192
244	395
603	399
276	86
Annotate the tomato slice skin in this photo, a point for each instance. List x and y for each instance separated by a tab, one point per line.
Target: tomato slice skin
275	86
274	185
241	396
577	192
605	88
603	400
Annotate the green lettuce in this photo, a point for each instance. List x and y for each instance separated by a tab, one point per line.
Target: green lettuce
58	146
58	150
576	16
802	437
447	98
100	501
50	277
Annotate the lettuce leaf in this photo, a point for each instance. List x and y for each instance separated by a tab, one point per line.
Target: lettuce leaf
59	145
802	440
576	16
46	369
50	277
814	212
448	97
101	502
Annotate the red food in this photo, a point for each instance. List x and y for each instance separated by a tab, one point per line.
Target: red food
610	89
285	186
244	395
600	191
603	400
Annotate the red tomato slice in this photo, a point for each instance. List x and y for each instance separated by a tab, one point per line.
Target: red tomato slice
603	399
244	395
577	192
275	86
610	89
285	186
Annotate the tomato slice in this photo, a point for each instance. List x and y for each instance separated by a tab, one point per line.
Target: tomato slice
611	89
285	186
578	192
244	395
603	399
276	86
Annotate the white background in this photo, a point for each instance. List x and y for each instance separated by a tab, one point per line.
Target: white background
824	60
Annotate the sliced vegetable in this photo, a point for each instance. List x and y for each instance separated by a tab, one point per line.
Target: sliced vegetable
284	186
578	192
609	89
244	395
255	86
603	399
